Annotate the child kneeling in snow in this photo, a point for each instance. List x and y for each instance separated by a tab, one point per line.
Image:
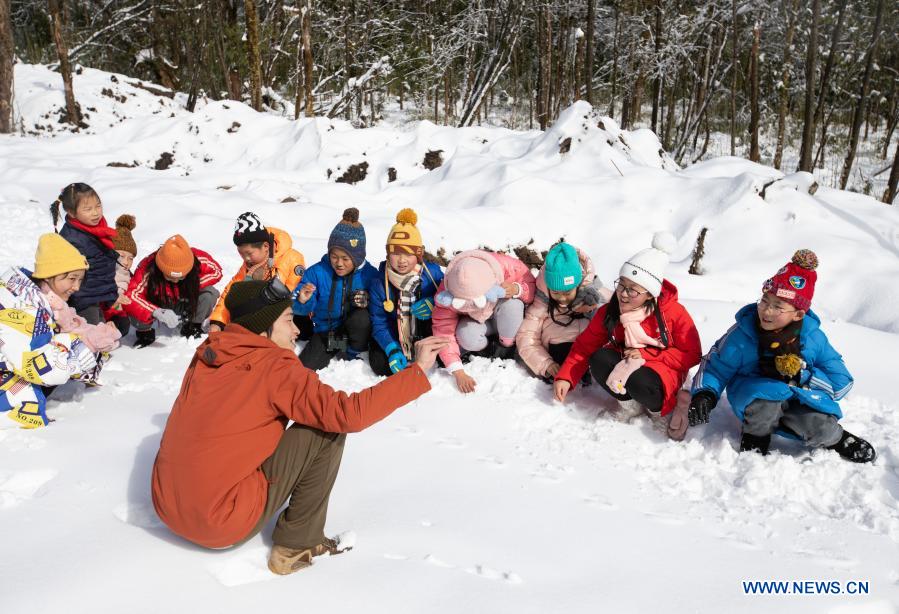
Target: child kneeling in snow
568	292
401	304
126	248
267	253
173	285
780	371
482	295
43	342
641	345
334	293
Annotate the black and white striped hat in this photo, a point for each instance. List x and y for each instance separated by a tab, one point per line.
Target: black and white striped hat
249	229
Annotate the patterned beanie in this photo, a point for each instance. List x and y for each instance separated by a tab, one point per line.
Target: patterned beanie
349	235
123	241
795	281
175	258
249	229
562	269
404	237
258	320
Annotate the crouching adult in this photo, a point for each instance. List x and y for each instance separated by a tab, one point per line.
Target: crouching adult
226	462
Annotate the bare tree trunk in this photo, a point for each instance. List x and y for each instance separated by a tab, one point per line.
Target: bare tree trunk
73	111
615	64
657	77
308	65
859	113
588	64
890	195
811	60
835	37
543	94
7	57
754	154
253	54
735	64
579	78
784	94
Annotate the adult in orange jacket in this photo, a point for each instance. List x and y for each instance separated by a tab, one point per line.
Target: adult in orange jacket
267	252
226	462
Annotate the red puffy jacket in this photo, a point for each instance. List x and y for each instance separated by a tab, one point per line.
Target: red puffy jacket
672	363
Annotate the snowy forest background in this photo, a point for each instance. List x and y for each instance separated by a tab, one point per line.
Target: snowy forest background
795	84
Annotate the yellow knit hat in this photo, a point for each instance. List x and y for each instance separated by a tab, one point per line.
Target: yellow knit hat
175	258
404	236
55	256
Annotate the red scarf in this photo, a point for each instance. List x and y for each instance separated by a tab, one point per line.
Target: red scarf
102	232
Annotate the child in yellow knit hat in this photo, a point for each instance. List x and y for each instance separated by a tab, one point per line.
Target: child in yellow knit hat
402	297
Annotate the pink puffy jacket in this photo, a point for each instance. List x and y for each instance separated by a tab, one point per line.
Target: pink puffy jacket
538	330
445	319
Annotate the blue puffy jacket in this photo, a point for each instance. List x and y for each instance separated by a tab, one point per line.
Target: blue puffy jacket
99	282
384	323
322	276
733	363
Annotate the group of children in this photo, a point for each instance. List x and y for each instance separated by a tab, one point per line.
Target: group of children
636	340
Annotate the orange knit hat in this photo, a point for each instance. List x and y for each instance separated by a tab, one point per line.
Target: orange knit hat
175	259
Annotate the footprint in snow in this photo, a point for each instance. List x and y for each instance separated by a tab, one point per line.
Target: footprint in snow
489	573
433	560
453	443
410	431
600	502
138	514
494	461
739	541
244	567
665	518
19	487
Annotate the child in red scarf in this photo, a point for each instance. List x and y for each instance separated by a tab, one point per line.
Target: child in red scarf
86	229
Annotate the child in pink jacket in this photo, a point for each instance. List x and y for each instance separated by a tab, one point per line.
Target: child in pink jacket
483	294
568	293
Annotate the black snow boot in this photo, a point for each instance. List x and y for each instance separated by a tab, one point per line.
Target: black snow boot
191	330
503	352
755	443
145	337
854	448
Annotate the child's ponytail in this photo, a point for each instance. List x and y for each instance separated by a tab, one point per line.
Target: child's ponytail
69	198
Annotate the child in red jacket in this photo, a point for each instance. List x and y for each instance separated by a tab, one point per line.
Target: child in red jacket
641	345
173	285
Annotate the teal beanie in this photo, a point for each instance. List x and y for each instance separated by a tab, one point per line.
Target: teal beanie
562	269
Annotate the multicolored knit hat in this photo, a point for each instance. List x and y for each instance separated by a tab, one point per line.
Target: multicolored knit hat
404	237
249	229
562	270
123	241
795	281
349	235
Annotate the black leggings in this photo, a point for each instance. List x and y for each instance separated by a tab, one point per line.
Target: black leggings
644	385
356	329
377	357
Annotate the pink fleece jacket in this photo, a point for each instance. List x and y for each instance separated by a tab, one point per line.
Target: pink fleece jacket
445	319
98	337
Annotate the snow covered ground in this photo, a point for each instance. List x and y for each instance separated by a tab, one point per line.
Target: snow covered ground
501	501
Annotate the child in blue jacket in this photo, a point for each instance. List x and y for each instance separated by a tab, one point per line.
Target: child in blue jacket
402	297
334	294
86	229
781	373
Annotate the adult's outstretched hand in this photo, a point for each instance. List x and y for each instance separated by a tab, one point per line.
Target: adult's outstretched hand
427	349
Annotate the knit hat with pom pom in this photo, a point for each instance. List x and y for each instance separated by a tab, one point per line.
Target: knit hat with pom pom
349	235
123	241
647	267
795	281
404	237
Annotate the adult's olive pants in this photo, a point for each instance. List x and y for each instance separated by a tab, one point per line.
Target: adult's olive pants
301	472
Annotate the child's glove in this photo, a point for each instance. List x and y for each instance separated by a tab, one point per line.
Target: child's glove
587	295
495	293
701	405
396	360
359	298
167	317
422	308
84	357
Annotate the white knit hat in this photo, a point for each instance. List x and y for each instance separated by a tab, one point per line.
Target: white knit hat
647	267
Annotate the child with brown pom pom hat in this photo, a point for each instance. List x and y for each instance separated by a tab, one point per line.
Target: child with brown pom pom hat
780	371
334	294
126	248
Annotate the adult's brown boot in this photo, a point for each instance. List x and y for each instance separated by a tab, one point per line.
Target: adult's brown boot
284	560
